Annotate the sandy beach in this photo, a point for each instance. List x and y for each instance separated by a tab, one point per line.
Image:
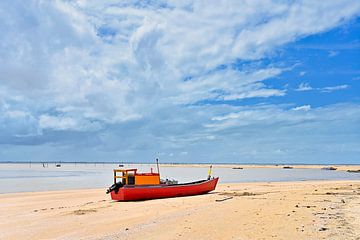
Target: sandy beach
286	210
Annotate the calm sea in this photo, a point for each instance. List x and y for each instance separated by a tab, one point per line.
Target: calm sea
39	177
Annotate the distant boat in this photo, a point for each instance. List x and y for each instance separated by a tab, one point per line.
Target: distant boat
287	167
329	168
141	186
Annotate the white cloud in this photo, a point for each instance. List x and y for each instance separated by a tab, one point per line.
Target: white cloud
16	123
136	72
334	88
333	53
67	123
304	87
143	54
256	93
210	137
16	114
262	115
57	123
302	108
302	73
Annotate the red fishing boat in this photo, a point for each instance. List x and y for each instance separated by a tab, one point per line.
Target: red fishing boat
141	186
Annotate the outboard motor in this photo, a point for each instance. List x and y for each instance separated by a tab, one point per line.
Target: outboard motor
115	187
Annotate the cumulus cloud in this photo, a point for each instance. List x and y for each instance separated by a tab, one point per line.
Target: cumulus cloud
16	123
135	67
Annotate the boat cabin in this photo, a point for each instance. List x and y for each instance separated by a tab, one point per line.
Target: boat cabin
132	177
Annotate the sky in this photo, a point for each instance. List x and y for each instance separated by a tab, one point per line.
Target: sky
248	81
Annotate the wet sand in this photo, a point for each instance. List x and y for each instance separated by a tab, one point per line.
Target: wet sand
286	210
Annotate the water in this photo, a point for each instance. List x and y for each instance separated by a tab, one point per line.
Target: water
35	177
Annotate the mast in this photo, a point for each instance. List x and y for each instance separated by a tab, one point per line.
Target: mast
157	165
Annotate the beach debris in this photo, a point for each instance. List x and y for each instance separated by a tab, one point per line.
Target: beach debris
126	229
224	199
329	168
240	194
84	211
330	193
302	227
296	206
86	203
237	168
342	200
287	167
323	229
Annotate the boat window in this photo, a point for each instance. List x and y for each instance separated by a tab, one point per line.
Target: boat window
131	179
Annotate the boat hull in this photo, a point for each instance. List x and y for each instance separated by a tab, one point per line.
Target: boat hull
134	193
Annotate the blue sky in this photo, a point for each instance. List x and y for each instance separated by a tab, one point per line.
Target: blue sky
184	81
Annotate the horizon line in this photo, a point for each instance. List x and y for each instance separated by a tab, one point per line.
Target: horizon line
173	163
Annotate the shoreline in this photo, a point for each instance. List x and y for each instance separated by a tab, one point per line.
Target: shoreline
181	163
280	210
66	177
340	167
219	184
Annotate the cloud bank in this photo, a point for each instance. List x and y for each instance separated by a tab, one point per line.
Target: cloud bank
144	79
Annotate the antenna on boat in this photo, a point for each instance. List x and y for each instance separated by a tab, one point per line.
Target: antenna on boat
157	165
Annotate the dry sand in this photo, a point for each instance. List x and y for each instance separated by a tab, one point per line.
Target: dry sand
291	210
